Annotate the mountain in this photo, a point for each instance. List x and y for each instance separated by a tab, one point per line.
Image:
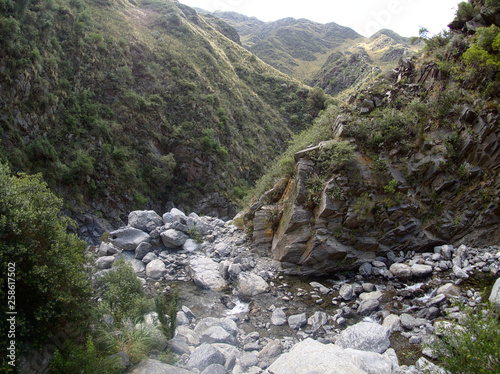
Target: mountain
407	162
330	56
124	104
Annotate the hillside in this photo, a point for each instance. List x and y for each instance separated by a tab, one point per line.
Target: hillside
329	56
124	104
408	162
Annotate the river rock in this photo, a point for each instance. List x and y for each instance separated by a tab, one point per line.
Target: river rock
149	366
142	250
144	219
365	336
215	369
128	238
156	269
149	257
312	357
278	318
105	262
495	295
420	271
393	323
250	284
408	321
297	321
317	320
366	269
347	292
205	273
217	334
449	289
190	245
401	271
204	356
367	307
178	346
172	238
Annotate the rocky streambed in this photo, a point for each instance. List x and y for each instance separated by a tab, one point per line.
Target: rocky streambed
242	313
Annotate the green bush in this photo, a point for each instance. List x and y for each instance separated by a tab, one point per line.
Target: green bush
83	359
51	273
167	324
123	291
335	156
473	346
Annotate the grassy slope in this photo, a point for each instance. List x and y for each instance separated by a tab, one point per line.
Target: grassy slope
118	102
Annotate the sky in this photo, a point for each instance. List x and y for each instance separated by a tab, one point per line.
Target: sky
405	17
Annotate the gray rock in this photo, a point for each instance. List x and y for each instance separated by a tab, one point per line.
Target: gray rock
181	318
128	238
393	323
347	292
311	357
142	250
495	295
190	245
272	349
428	367
459	273
178	215
250	284
317	320
449	289
278	318
144	219
178	346
421	271
168	218
172	238
204	356
205	273
156	269
105	262
149	366
366	269
297	321
401	271
249	359
408	321
365	336
149	257
215	369
217	334
367	307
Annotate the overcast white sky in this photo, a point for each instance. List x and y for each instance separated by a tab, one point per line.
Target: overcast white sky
365	16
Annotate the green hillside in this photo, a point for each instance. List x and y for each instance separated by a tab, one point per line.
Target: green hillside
122	103
329	56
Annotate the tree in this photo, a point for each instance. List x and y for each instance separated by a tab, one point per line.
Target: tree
46	264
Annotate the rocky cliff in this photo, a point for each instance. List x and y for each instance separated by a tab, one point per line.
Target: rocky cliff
406	182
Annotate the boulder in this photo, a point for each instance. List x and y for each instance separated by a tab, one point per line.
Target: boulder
317	320
495	295
190	245
105	262
156	269
205	273
217	334
128	238
312	357
250	284
204	356
278	318
144	219
365	336
172	238
449	289
215	369
142	250
347	292
421	271
367	307
401	271
149	366
297	321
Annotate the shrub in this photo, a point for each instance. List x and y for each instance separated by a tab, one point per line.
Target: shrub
52	277
335	156
167	325
82	359
123	291
472	347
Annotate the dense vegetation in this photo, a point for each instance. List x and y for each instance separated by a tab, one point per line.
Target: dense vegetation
121	103
50	277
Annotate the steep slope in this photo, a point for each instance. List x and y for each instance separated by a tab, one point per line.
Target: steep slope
409	162
330	56
122	103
